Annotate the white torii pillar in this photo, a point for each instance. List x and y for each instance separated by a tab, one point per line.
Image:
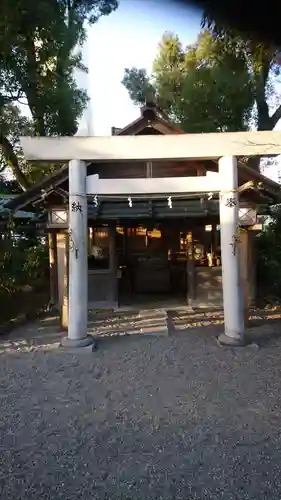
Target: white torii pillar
78	257
229	220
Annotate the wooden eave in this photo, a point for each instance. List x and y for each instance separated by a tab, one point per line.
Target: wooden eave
43	190
157	123
263	187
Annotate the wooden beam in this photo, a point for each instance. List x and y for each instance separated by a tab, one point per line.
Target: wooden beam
244	272
255	227
249	172
161	185
64	307
53	265
155	147
62	255
190	270
247	186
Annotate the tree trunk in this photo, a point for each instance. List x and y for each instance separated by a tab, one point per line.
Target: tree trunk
12	161
32	89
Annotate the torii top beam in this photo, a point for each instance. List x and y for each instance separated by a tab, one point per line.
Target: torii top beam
155	147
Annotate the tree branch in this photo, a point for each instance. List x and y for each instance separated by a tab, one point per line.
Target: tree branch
264	121
7	99
32	88
12	161
275	117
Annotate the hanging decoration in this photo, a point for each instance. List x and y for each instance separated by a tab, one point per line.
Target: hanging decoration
130	202
236	239
235	242
72	245
96	201
170	203
44	194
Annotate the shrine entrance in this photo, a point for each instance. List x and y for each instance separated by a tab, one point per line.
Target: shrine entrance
151	263
156	263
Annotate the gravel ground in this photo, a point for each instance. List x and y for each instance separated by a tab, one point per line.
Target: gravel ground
142	418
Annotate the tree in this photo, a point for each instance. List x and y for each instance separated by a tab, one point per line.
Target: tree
12	125
219	83
263	68
196	86
269	258
39	50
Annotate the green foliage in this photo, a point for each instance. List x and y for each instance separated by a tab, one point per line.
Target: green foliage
269	259
22	262
169	68
40	47
8	186
138	85
24	275
220	83
262	67
204	87
13	124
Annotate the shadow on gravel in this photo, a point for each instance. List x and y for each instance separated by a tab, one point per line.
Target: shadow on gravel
44	333
109	327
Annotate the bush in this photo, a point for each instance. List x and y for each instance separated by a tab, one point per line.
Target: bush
22	264
24	267
269	259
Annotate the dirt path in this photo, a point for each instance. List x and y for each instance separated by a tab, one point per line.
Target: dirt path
173	417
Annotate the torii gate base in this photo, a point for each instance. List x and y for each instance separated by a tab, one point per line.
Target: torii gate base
78	282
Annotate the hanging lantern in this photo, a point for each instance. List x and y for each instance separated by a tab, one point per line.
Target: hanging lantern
58	217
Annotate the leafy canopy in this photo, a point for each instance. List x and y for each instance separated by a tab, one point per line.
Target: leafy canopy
220	83
40	47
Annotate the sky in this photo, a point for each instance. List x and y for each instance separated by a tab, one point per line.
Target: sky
128	37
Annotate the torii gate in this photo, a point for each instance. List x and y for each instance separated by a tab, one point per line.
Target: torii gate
224	147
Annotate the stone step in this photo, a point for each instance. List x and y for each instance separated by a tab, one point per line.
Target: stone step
197	318
152	313
143	321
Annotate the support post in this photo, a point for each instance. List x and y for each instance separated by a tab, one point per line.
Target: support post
252	266
113	264
190	271
229	219
78	257
65	277
244	273
53	265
